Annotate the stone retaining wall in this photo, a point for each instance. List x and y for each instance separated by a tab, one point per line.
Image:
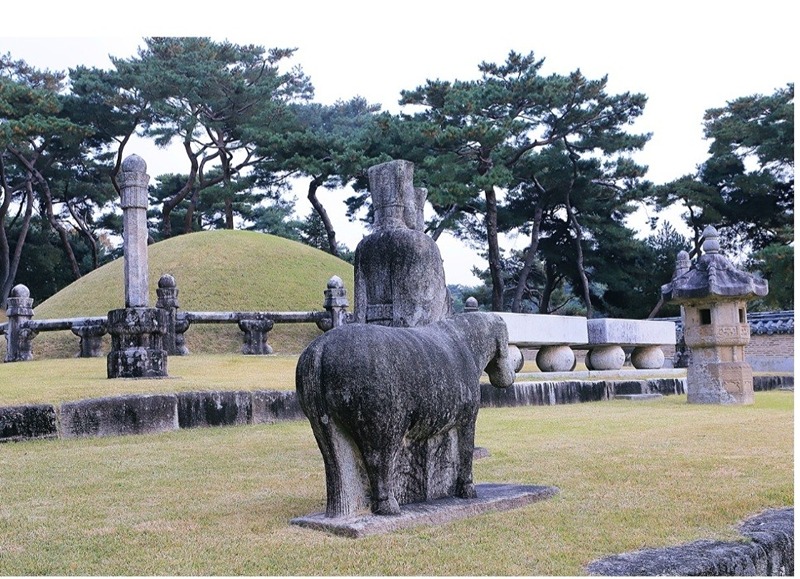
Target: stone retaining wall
768	550
152	413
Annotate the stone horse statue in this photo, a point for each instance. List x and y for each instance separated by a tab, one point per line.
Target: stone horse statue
375	395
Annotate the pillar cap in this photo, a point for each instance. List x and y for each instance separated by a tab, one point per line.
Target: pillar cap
134	164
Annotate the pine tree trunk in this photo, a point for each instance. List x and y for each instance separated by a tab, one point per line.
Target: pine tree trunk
62	232
495	267
579	258
228	213
323	215
10	263
530	259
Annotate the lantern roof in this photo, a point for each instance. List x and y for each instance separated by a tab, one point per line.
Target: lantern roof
712	277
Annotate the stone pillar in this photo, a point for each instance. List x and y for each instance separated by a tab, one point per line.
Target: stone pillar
137	331
174	341
255	336
91	333
18	338
713	297
335	303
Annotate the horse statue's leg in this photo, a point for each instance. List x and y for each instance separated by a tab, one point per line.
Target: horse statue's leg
379	461
465	488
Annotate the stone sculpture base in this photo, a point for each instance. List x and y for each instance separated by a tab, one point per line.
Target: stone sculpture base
491	497
137	336
720	383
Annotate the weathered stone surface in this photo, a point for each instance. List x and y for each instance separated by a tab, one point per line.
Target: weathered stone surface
133	180
761	383
574	391
489	498
335	303
214	408
623	332
769	552
137	343
137	331
19	309
713	276
91	333
254	341
647	357
637	397
605	358
270	406
532	330
555	359
24	422
545	393
119	415
399	280
370	391
174	342
399	275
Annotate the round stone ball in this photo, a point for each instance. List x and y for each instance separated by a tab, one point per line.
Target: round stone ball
607	358
166	281
555	359
20	291
649	358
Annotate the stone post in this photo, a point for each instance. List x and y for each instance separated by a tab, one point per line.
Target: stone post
255	336
137	331
336	302
91	334
174	341
18	338
713	297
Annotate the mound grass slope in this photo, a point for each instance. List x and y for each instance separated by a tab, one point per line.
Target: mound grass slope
214	271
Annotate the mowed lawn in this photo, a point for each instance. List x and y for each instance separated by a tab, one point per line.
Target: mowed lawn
217	501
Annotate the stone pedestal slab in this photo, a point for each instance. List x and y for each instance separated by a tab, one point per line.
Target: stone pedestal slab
491	497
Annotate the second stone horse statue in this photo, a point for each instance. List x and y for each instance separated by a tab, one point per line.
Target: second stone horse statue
393	410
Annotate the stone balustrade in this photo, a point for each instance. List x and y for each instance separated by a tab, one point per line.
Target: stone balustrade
556	338
608	337
552	335
21	328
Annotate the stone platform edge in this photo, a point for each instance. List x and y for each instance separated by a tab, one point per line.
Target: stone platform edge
154	413
767	550
492	497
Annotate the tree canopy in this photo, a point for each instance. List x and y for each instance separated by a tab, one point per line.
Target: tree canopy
513	153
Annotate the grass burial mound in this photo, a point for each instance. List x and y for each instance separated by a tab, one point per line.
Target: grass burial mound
214	271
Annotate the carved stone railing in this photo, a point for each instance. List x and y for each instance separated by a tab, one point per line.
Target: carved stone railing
556	338
21	328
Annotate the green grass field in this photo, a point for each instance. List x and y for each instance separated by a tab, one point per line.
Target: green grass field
217	501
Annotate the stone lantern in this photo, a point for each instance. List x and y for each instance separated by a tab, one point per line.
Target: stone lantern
713	297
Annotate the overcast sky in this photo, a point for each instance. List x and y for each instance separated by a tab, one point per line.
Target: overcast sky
685	56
